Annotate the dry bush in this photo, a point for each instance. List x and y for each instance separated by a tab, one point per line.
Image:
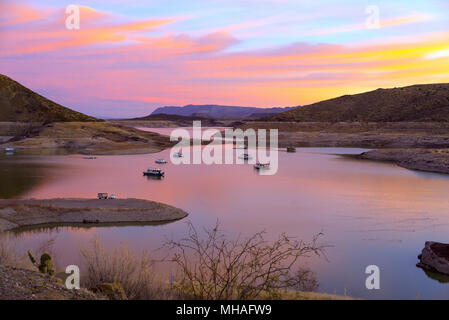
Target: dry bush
134	272
9	255
215	268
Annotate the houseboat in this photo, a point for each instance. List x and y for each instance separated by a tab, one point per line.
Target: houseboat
161	161
245	156
260	166
102	195
154	172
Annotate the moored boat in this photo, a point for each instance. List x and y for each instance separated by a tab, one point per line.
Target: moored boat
259	166
245	156
160	161
154	172
178	154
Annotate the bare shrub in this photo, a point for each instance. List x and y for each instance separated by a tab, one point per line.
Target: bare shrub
134	272
215	268
9	255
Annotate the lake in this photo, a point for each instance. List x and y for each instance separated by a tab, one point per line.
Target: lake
369	212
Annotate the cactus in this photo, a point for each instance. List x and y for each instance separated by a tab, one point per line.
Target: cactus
32	257
46	263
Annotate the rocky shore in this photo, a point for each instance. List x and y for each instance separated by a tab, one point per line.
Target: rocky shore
422	146
99	138
26	213
430	160
435	257
23	284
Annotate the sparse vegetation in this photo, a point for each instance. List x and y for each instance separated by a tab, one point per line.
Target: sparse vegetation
45	264
8	252
216	268
426	103
134	272
212	267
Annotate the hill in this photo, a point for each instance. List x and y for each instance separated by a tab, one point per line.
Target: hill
429	102
219	112
20	104
172	117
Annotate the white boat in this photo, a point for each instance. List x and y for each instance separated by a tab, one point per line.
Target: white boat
9	150
160	161
260	166
154	172
178	154
241	146
245	156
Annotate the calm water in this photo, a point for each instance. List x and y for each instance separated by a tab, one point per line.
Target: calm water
371	213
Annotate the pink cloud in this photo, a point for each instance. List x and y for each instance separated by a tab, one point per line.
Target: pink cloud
117	67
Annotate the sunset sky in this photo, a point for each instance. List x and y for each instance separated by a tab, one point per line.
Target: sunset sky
131	56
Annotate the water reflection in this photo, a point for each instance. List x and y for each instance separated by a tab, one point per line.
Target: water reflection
50	228
19	175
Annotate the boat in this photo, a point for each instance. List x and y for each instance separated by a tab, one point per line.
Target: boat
291	149
241	146
161	161
245	156
260	166
90	158
154	172
178	154
10	150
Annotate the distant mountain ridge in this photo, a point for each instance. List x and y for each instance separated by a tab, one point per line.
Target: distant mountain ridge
219	112
426	102
20	104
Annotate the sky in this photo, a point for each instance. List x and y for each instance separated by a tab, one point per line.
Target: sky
129	57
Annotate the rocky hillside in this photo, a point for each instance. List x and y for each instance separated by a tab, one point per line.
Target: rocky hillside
20	104
422	103
219	112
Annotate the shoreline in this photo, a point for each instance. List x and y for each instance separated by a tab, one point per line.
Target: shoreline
424	160
87	138
420	146
15	214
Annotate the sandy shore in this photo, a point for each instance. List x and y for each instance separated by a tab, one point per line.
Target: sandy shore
25	213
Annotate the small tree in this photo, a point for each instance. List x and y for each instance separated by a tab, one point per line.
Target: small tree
215	268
